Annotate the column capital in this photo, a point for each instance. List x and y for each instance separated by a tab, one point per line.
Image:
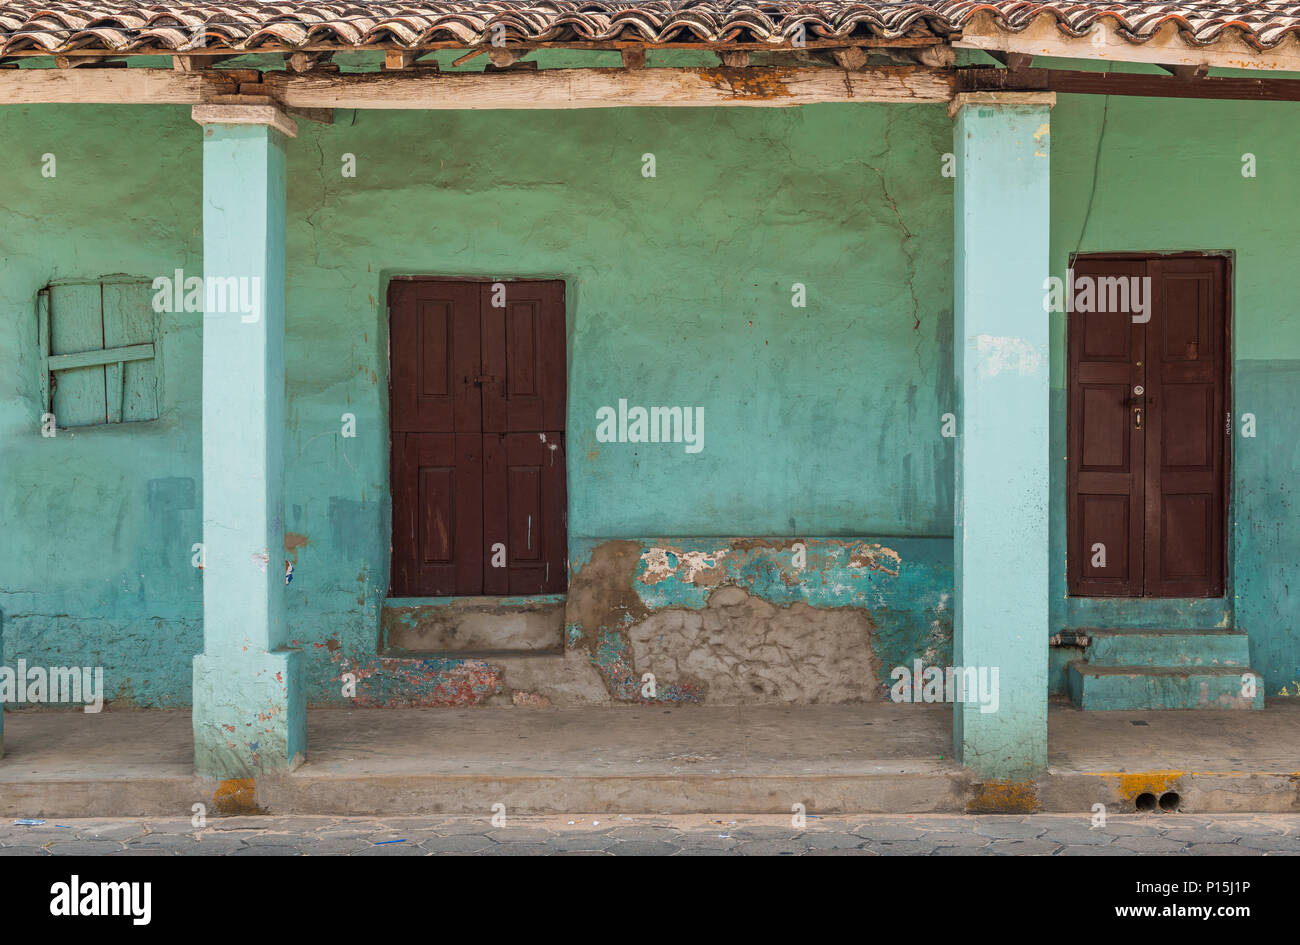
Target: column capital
999	98
270	115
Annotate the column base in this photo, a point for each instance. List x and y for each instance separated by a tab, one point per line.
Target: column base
250	714
1007	745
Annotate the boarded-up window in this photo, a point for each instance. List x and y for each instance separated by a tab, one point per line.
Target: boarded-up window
98	356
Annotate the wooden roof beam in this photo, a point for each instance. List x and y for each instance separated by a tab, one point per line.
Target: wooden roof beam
511	89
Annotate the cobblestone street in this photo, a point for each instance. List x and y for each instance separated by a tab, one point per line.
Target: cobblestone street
617	835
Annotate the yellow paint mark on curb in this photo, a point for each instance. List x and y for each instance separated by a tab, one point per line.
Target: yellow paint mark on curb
1130	784
236	796
1004	797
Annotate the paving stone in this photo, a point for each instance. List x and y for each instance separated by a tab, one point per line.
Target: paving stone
515	849
579	841
209	845
1271	842
111	831
769	848
83	847
334	846
170	826
1130	828
402	825
828	840
1011	830
1075	849
519	835
1149	844
1081	835
705	851
841	851
662	834
176	843
1187	835
887	832
1220	849
393	849
1026	847
760	833
1249	828
953	839
258	822
901	848
460	843
24	851
643	848
461	827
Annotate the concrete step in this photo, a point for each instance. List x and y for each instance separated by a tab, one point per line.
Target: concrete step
1168	647
1095	686
420	626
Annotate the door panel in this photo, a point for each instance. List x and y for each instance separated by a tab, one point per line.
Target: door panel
1186	438
524	476
434	350
1146	412
524	358
437	514
1106	449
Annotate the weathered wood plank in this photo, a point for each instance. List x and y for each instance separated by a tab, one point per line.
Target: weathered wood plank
77	341
548	88
129	321
987	79
81	359
43	340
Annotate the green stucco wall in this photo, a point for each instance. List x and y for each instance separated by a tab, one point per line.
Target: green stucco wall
820	421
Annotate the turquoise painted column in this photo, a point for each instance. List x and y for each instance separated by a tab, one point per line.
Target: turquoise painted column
249	711
1001	353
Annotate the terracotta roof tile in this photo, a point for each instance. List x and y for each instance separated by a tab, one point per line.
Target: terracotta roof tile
130	26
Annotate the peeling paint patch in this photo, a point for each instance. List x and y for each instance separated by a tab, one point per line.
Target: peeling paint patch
393	683
664	563
876	557
292	542
1041	137
1009	355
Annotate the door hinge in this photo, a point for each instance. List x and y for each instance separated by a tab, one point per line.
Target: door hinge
1227	424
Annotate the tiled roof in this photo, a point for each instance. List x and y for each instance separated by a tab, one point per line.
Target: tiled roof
128	26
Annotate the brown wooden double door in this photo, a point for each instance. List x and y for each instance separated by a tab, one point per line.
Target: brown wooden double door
477	432
1148	428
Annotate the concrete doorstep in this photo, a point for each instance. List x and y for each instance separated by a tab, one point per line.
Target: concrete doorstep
650	759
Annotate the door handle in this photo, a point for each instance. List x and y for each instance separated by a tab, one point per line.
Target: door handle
1137	418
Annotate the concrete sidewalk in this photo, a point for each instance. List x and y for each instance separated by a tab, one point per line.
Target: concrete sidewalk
877	758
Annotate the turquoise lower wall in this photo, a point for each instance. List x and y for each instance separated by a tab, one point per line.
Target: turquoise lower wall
822	420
